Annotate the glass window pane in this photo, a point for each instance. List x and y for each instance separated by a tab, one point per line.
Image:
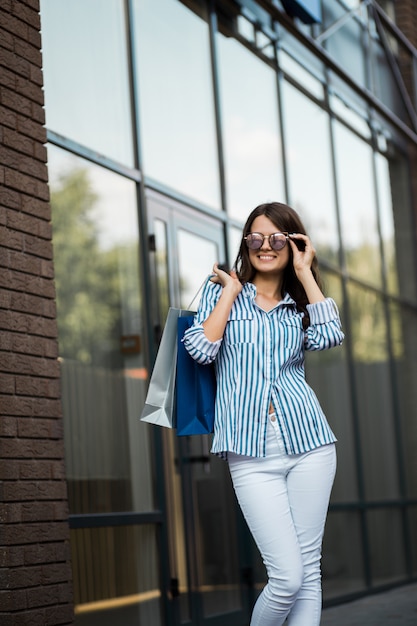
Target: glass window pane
214	511
85	73
345	44
386	217
342	561
100	327
385	84
309	169
161	259
251	135
412	524
347	112
355	180
301	74
116	576
177	122
196	256
234	240
374	392
386	555
404	338
327	373
395	200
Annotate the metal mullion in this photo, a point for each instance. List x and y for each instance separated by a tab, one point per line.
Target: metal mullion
213	30
172	194
395	70
278	79
150	345
323	56
90	155
350	369
122	518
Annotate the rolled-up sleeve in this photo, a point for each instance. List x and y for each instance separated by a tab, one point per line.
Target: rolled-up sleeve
195	341
325	330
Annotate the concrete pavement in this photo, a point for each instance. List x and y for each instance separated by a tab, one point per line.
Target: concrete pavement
397	607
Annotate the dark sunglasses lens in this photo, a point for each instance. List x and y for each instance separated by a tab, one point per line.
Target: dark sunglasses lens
277	241
254	241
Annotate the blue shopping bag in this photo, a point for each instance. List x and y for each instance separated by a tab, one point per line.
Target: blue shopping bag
195	389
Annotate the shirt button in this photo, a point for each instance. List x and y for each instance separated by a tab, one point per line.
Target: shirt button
273	418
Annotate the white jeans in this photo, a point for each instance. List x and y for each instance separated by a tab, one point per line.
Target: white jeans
284	499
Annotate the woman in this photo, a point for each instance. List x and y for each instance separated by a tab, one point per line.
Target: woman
256	323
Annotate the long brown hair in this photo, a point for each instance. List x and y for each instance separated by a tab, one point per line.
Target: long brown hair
286	220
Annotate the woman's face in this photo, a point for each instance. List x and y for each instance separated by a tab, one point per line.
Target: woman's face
265	260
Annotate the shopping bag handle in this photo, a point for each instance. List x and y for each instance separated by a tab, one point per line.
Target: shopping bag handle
207	278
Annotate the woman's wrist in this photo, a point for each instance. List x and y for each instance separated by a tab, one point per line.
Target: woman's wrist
313	291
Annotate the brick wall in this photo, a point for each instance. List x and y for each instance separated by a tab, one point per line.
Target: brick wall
35	572
406	19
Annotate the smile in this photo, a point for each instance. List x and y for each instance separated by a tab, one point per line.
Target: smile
265	257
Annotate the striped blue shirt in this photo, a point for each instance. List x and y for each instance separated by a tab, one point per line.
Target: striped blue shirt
259	361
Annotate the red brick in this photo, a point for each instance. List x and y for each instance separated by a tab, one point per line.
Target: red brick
29	89
23	163
17	141
14	405
34	38
32	407
34	346
7	39
12	61
34	506
27	14
7	384
10	198
30	127
59	614
28	283
46	553
38	247
18	578
15	101
28	303
29	449
33	618
27	184
25	323
11	556
12	600
8	425
38	428
38	115
29	491
34	206
7	78
21	534
11	239
34	386
36	75
38	469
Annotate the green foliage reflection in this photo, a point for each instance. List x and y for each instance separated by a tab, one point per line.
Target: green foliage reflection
86	276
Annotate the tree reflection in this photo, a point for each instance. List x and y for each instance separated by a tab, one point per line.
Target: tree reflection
87	276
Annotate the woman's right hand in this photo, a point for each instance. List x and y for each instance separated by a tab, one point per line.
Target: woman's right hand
227	280
216	322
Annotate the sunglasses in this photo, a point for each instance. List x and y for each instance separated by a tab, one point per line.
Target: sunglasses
255	241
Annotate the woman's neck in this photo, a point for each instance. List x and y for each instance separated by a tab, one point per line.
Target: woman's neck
269	287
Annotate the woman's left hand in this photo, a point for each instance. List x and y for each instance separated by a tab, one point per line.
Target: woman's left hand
302	259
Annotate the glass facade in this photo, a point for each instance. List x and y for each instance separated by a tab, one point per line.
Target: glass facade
168	121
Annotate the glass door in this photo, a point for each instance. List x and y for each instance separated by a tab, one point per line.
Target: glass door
203	519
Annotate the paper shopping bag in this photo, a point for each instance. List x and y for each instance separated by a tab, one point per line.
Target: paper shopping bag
159	406
195	389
